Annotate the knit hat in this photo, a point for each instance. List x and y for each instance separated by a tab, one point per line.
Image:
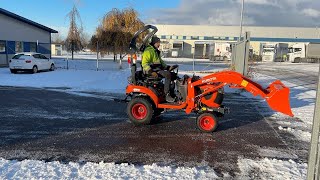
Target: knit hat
154	40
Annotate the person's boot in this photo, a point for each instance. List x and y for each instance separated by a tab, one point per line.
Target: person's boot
169	98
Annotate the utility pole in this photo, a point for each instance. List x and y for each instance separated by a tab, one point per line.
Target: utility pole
314	153
241	20
72	48
193	63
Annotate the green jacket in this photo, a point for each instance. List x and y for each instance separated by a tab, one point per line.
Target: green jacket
151	57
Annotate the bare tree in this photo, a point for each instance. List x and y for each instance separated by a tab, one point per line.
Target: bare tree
85	40
73	41
57	39
116	30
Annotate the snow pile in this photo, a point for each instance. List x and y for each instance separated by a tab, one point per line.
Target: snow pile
30	169
271	169
249	169
299	134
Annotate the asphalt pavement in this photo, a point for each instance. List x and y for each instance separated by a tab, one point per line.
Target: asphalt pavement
53	125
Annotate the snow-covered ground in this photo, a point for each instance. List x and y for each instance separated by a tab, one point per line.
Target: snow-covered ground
82	76
93	56
302	106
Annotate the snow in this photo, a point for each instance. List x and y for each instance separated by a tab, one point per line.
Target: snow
82	77
31	169
249	169
307	67
75	80
302	101
271	169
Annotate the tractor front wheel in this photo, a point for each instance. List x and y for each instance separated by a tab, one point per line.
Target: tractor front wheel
140	111
207	122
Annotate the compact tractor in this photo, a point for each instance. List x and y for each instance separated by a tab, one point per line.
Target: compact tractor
200	95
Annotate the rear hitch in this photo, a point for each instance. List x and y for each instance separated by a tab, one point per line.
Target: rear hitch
222	110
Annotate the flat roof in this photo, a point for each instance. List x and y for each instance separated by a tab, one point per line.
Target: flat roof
25	20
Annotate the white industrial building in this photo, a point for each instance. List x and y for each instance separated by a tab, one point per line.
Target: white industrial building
187	39
18	34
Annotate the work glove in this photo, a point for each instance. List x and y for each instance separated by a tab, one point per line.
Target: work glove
154	74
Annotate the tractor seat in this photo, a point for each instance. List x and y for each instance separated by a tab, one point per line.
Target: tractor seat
140	76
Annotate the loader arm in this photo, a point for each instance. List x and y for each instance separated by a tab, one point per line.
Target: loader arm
276	95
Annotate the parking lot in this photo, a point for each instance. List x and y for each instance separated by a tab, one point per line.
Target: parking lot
48	125
58	121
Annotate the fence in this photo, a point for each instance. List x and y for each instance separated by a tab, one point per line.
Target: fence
240	54
314	154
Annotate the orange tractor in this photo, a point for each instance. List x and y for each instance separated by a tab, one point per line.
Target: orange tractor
201	95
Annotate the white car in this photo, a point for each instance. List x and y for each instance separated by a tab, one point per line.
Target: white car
30	61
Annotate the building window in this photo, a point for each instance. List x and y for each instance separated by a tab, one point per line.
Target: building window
2	47
33	47
201	37
163	37
208	38
19	46
180	37
168	37
195	37
174	37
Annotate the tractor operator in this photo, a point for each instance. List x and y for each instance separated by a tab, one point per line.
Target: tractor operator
154	66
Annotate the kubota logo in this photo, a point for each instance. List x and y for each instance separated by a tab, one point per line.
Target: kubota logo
208	80
136	90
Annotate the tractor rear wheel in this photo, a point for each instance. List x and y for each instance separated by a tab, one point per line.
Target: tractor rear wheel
207	122
140	111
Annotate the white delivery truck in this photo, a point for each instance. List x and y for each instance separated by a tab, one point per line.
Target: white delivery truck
274	52
268	52
304	52
220	51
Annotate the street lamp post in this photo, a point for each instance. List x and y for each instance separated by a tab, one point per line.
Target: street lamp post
241	20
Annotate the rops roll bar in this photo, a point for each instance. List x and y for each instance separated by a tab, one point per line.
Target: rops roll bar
133	43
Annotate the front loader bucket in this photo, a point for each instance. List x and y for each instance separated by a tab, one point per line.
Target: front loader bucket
278	98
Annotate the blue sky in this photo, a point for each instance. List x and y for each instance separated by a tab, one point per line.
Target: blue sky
52	13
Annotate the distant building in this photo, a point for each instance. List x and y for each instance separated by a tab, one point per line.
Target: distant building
197	39
56	49
18	34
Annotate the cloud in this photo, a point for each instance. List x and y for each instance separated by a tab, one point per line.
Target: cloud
311	12
296	13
